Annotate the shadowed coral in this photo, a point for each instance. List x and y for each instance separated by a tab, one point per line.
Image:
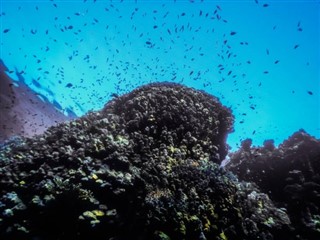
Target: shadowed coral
145	167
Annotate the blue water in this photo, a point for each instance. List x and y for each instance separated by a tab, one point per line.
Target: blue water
261	58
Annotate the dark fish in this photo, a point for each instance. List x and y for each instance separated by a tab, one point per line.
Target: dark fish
296	46
310	93
69	85
6	30
148	42
265	5
276	62
232	33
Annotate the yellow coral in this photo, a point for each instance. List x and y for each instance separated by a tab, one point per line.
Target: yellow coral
223	236
207	225
98	213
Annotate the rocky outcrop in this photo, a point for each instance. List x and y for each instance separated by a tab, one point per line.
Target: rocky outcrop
145	167
289	174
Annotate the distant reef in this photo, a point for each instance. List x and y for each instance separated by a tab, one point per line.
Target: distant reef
289	174
23	111
147	166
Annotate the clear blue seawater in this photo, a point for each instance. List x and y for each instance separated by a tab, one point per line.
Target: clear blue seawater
260	58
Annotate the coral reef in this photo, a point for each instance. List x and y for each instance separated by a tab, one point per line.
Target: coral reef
145	167
289	174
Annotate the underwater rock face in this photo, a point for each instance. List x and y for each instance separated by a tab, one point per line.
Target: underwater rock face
22	111
145	167
289	174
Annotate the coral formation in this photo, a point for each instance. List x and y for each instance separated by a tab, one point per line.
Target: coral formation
145	167
290	176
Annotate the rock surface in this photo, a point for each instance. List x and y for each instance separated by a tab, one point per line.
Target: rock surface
289	174
145	167
22	111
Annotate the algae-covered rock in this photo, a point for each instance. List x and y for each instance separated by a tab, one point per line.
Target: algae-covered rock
145	167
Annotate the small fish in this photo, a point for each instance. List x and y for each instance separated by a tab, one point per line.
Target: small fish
310	93
6	30
69	85
276	62
296	46
265	5
232	33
